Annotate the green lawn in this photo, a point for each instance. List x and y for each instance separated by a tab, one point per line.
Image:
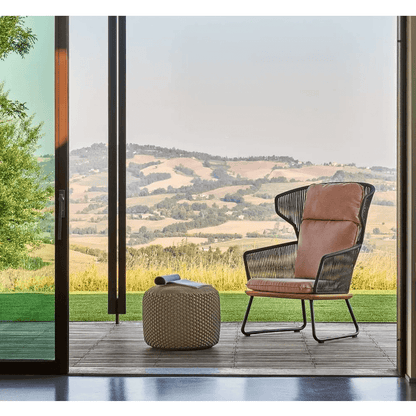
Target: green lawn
369	306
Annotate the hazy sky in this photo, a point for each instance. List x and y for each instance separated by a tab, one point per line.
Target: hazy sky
30	79
315	88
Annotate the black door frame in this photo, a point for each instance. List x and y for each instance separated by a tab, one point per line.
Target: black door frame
60	365
116	166
401	190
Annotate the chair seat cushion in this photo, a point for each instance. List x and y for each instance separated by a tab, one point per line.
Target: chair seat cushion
281	285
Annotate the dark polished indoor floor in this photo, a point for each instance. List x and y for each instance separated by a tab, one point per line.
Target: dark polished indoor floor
76	388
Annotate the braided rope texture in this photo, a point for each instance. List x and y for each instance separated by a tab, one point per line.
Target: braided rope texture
177	317
290	205
336	273
270	262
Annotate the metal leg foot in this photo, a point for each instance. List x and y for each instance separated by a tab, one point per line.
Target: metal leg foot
321	340
294	329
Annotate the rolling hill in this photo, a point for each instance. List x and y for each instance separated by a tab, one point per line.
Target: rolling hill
174	195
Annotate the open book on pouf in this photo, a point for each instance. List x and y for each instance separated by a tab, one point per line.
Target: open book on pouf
175	278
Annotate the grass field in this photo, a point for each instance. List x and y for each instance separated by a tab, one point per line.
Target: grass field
373	271
369	306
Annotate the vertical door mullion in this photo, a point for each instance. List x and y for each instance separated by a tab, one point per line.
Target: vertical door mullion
61	194
121	307
112	165
401	191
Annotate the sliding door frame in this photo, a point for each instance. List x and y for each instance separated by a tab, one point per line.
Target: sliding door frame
406	196
117	166
60	365
402	179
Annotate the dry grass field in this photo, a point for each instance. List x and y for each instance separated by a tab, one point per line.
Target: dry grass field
382	217
149	200
278	188
239	227
92	241
257	201
306	173
374	271
151	225
191	163
96	179
77	208
176	180
248	243
140	159
221	192
173	241
253	169
385	196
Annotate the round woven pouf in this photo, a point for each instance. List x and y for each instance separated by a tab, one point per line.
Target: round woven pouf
177	317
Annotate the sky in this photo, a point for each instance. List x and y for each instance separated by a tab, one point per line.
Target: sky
30	79
319	89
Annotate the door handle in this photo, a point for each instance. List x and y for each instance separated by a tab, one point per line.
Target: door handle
61	212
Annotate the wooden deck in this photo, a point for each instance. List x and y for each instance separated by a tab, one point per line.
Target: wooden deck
104	348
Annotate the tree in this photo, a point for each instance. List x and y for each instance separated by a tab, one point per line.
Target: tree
24	188
14	38
23	193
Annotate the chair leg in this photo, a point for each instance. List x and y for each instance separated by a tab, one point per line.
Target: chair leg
295	329
353	335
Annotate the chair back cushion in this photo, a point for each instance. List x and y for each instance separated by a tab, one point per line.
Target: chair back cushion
331	222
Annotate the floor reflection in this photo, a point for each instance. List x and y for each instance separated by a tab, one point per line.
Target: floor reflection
72	388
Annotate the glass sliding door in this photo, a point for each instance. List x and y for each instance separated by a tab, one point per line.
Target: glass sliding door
94	165
32	262
224	113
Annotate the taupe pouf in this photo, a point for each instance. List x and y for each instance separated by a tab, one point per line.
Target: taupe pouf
177	317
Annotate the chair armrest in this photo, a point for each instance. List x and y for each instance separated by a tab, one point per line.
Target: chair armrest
272	261
335	271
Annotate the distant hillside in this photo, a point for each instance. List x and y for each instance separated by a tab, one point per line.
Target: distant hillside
214	201
98	149
94	158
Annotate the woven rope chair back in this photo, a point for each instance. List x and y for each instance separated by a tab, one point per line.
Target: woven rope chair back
289	206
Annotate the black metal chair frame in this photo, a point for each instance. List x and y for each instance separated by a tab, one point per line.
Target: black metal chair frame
335	269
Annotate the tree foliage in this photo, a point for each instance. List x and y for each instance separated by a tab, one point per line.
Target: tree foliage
14	38
23	194
24	187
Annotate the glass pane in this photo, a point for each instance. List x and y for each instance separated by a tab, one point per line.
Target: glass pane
27	169
224	113
88	158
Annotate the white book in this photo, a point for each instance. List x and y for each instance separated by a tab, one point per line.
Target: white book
176	279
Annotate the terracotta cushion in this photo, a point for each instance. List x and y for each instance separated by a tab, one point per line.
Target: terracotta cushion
317	238
338	202
281	285
330	223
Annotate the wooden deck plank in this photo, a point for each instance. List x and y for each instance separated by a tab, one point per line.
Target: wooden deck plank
105	348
